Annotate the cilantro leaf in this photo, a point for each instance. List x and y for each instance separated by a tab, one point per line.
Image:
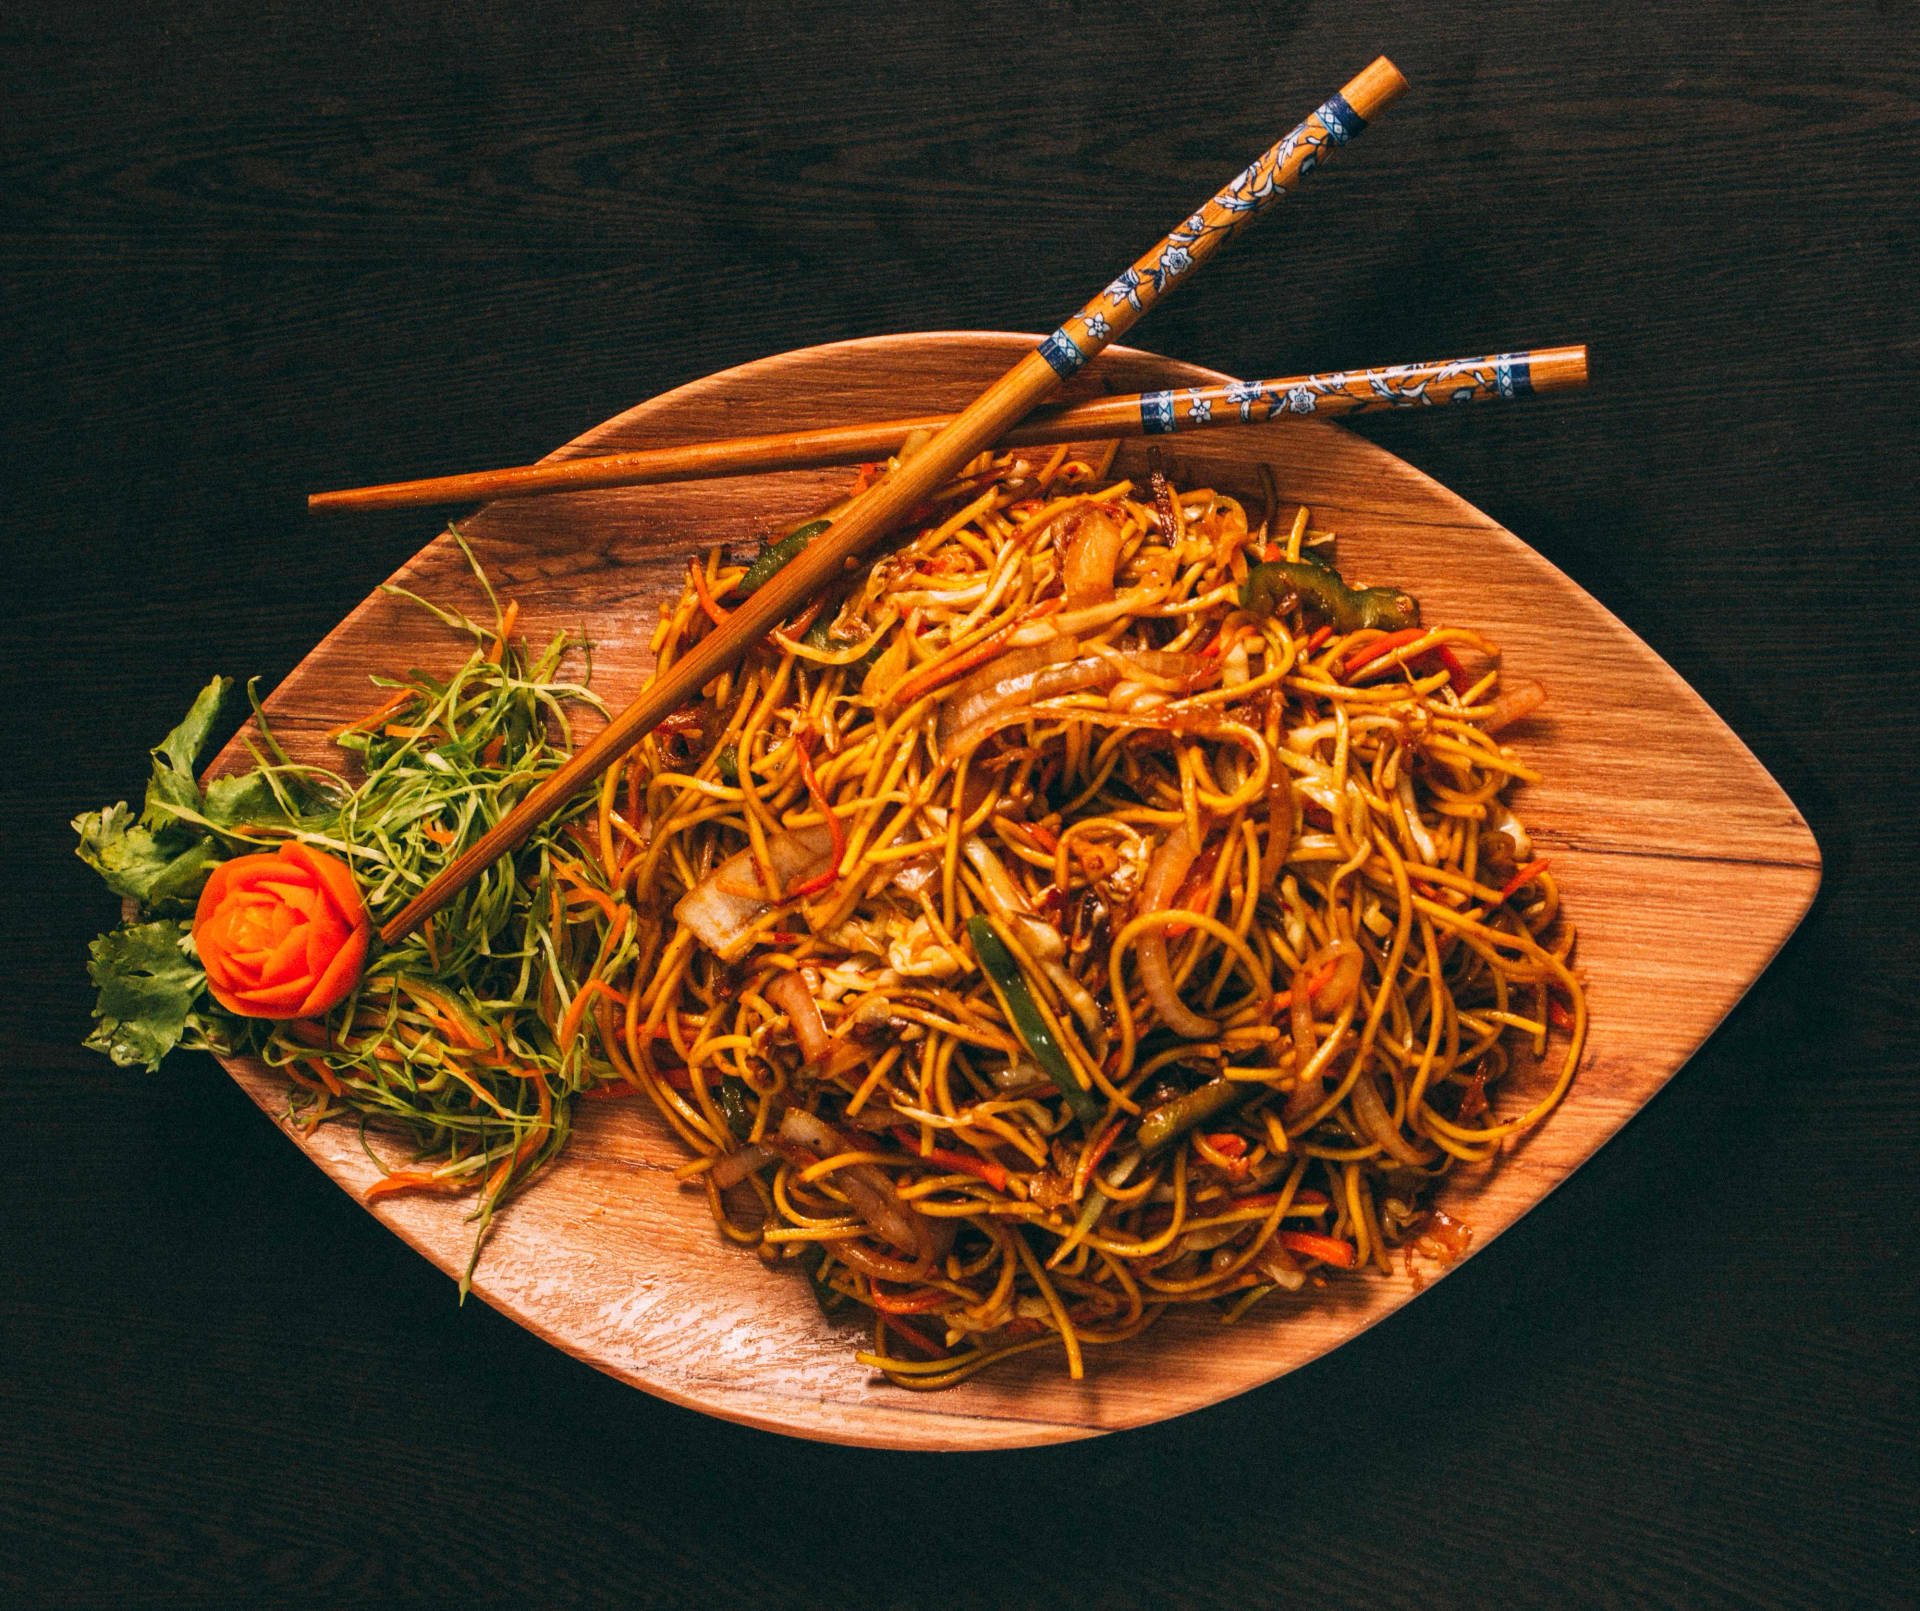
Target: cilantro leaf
159	858
152	868
149	982
248	801
175	782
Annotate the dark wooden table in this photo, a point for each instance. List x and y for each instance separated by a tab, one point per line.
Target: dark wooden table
250	251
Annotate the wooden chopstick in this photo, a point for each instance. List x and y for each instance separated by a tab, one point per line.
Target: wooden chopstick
1353	391
884	505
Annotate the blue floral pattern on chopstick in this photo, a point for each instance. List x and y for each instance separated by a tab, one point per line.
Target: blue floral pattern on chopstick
1346	391
1256	188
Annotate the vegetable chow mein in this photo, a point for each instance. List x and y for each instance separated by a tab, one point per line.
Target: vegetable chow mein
1091	906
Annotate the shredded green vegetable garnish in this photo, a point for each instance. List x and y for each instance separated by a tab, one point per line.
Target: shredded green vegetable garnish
467	1036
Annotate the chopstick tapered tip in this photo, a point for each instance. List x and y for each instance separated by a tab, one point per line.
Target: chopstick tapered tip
1376	87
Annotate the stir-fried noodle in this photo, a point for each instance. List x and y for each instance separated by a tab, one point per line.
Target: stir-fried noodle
1091	906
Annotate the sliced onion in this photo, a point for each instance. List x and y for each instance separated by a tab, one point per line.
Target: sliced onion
1043	942
719	910
1185	720
1279	826
736	1166
841	1060
790	994
1130	602
1014	662
1094	541
807	1130
1416	829
1332	996
962	738
1128	696
1018	1074
1375	1122
1304	1097
1076	995
868	1190
1017	678
1170	670
858	1256
1165	874
1510	704
994	877
1210	1237
1345	984
1278	1266
915	875
1509	827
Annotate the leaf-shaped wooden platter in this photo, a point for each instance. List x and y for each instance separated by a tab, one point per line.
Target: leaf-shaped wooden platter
1684	864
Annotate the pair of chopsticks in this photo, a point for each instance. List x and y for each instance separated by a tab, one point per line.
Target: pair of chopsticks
1349	391
991	418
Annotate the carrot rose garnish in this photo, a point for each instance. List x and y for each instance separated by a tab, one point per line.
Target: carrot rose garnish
282	935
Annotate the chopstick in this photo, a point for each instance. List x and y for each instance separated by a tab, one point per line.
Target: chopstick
885	504
1353	391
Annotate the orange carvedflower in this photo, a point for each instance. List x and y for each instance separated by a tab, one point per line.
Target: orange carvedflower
283	935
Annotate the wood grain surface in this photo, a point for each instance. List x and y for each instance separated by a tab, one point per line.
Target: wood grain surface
1684	865
249	250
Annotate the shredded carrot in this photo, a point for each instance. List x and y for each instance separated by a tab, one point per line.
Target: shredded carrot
930	677
416	1180
377	715
529	1146
507	619
1315	985
1456	673
570	1024
1195	885
697	573
302	1081
1312	1245
918	1304
324	1074
1524	877
825	880
1041	838
806	618
1090	1159
447	1015
584	894
1266	1199
1380	648
992	1173
891	1323
579	899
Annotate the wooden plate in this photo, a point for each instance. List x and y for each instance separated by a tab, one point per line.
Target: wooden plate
1684	864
